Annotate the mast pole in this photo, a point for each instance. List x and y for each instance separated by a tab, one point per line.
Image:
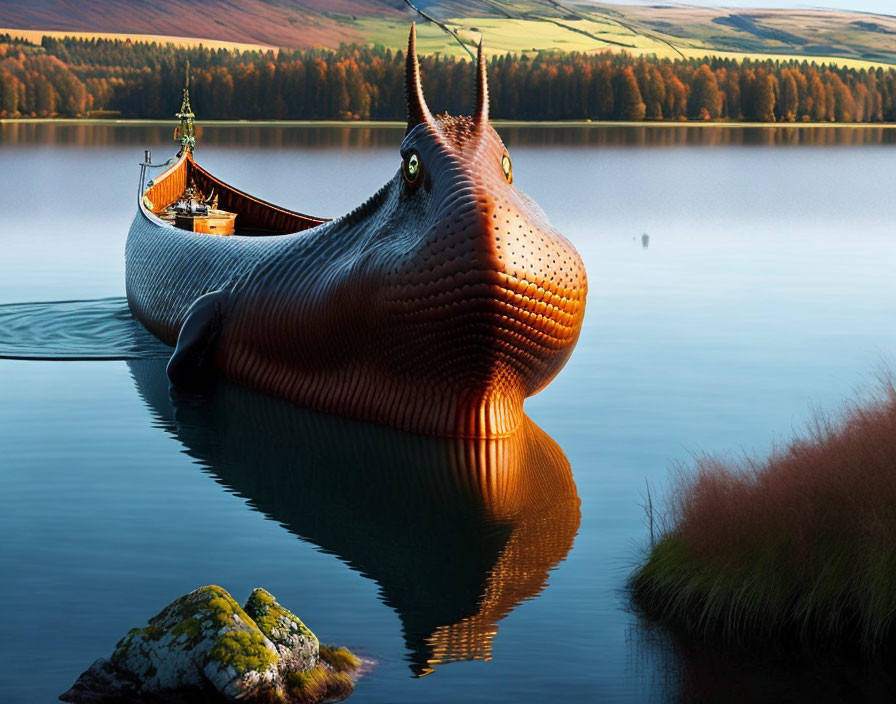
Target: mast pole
185	133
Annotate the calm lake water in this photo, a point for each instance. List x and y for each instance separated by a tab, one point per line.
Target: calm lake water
739	279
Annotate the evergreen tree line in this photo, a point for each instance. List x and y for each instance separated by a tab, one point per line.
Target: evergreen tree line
77	77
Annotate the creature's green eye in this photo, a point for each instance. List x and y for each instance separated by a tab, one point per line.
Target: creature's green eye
410	167
507	168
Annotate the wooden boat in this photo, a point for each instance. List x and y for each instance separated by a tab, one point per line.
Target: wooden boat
188	197
237	213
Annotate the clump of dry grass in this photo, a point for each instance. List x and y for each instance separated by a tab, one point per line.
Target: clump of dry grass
319	684
801	544
339	659
328	681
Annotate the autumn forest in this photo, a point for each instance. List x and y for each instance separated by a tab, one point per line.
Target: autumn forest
90	78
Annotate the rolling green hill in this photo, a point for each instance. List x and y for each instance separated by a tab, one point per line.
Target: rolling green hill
847	38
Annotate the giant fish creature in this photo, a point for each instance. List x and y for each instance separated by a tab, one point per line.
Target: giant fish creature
435	307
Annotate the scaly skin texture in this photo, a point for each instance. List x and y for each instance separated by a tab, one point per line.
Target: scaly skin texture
437	307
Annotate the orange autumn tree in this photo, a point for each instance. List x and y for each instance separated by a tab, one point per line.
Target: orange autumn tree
705	101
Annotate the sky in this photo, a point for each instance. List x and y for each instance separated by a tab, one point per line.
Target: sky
885	7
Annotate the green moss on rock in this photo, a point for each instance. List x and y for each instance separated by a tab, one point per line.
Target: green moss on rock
271	617
244	651
190	627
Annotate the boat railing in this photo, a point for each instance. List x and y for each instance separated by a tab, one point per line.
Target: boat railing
147	164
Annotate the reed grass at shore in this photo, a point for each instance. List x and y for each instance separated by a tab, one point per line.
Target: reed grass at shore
801	545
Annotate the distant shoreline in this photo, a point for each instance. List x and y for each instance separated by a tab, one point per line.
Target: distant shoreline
395	124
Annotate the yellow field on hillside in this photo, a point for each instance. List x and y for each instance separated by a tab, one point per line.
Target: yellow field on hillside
503	35
525	36
36	35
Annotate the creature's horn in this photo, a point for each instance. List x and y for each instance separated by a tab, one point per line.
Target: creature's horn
417	110
481	88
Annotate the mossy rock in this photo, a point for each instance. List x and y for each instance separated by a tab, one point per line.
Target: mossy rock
292	638
202	639
204	646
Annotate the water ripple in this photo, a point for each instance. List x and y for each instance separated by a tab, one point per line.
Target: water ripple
97	329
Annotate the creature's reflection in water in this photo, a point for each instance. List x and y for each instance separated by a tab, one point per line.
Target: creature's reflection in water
456	532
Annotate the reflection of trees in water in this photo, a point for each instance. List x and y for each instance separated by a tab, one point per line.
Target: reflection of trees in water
691	673
660	135
255	136
456	532
359	137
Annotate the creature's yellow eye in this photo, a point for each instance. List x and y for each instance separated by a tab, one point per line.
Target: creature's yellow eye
507	168
410	167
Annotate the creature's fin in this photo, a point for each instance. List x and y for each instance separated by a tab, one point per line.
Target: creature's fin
191	363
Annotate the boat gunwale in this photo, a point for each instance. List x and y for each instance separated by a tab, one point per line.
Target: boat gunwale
146	185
